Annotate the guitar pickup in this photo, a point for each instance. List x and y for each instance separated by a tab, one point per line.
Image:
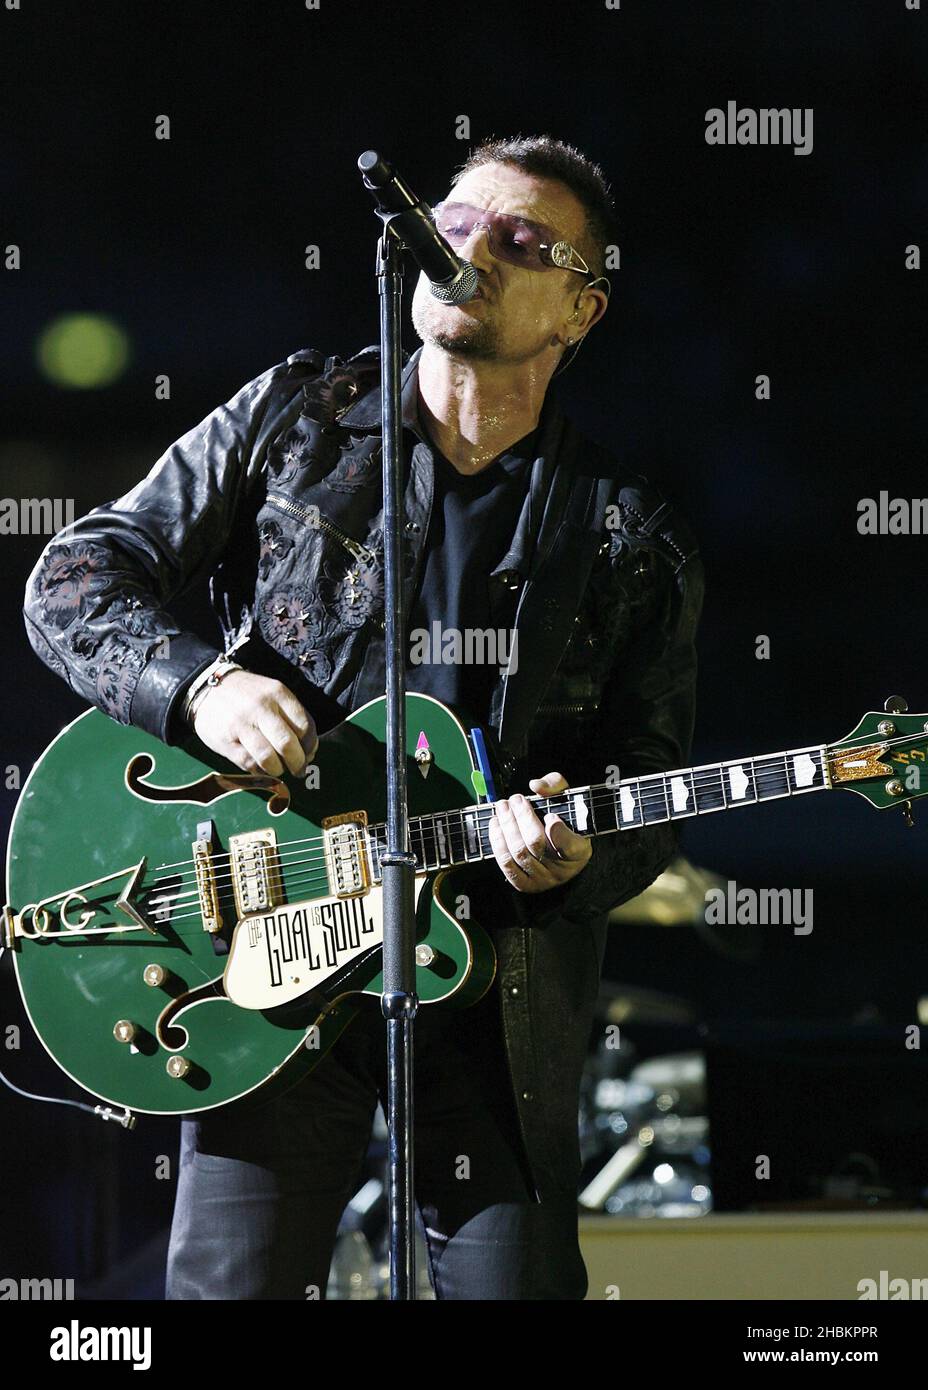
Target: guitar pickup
345	854
256	880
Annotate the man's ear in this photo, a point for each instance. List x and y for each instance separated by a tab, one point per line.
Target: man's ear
591	304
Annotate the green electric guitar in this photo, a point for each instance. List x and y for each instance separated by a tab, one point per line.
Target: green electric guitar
185	933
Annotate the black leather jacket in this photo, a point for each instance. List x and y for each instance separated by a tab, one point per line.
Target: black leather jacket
602	583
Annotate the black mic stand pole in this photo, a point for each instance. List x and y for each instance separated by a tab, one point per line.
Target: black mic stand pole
399	1001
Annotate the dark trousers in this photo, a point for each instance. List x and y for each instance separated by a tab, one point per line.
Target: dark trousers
261	1193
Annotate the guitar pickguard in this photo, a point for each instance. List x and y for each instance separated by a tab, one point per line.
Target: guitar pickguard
277	956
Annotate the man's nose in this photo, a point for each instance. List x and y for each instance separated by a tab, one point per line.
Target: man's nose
477	249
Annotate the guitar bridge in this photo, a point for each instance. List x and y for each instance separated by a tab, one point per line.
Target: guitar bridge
206	885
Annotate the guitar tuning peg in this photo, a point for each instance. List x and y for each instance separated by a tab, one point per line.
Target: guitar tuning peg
895	705
907	814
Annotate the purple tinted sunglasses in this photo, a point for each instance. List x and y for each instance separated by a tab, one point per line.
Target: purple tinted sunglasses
513	239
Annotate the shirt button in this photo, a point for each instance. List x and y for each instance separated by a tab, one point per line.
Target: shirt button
514	990
527	1095
412	526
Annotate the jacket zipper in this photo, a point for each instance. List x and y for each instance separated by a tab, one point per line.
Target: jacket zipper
355	548
571	707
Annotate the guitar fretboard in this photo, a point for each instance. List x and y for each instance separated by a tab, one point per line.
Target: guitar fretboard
443	839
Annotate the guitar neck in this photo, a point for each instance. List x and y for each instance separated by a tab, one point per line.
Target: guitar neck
445	839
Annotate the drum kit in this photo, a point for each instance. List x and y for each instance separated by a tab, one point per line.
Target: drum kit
644	1134
644	1127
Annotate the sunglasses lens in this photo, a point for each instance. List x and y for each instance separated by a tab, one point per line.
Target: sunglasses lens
510	238
518	243
456	222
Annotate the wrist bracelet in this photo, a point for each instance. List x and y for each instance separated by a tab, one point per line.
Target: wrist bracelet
204	682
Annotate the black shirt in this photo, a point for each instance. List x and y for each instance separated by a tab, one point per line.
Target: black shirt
455	654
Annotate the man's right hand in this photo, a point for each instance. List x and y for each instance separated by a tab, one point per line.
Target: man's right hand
257	724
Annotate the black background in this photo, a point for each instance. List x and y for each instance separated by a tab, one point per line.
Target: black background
735	261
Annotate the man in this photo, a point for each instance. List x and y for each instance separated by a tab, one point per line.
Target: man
514	523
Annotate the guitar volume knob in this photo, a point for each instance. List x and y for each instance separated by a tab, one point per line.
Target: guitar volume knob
125	1031
178	1068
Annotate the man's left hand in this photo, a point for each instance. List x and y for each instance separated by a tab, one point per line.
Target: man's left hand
536	856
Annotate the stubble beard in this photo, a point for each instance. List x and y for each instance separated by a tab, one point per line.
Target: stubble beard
477	339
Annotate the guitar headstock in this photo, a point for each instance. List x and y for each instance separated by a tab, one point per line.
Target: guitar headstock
884	759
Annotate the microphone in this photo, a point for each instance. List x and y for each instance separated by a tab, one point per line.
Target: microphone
452	280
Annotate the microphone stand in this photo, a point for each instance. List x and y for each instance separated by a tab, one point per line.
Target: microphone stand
398	1001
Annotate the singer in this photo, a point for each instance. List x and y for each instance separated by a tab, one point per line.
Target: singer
500	489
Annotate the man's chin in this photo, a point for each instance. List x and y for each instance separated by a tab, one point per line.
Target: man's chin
474	345
464	339
454	330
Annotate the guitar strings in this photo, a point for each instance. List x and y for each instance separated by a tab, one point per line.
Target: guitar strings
652	791
601	792
482	814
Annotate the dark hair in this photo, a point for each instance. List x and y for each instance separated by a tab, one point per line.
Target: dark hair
554	159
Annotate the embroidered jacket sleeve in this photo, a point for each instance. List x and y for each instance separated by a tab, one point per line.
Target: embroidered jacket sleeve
644	724
95	604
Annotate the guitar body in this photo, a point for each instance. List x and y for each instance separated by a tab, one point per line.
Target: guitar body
186	935
228	964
